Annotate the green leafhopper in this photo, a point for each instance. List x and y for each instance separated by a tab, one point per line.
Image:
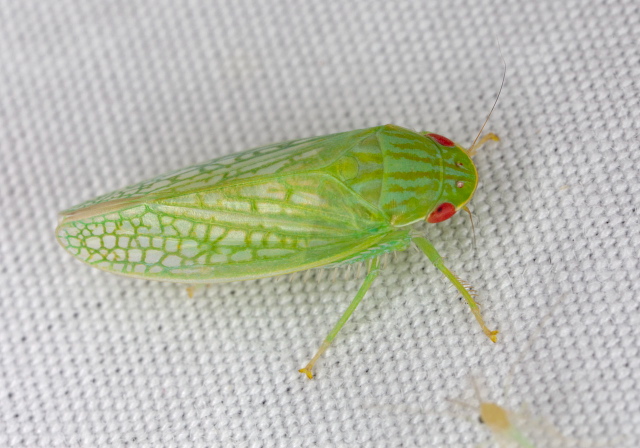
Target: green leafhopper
316	202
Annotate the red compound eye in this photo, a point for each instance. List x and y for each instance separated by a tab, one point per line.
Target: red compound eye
444	141
443	212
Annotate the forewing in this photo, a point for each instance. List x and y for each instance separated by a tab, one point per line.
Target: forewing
270	160
238	230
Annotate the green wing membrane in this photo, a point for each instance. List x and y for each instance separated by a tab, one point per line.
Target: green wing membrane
293	156
269	211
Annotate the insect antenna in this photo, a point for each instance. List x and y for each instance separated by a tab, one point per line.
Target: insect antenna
473	228
472	149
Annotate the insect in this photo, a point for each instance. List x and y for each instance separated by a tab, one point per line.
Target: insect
317	202
503	424
515	429
509	428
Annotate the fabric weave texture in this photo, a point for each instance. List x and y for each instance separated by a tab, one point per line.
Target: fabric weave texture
98	95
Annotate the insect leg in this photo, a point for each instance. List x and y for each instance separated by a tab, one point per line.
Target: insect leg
436	259
474	148
374	270
192	290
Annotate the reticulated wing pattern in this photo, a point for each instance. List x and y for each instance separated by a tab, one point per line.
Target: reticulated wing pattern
251	229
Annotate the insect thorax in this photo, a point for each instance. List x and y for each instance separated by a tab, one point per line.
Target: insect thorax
420	173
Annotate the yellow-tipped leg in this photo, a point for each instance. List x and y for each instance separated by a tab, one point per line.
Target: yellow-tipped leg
192	290
308	369
474	148
436	259
374	270
491	334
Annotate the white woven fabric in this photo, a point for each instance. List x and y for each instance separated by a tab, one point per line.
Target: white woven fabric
95	95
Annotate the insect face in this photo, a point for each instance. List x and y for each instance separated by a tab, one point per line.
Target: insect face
459	179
